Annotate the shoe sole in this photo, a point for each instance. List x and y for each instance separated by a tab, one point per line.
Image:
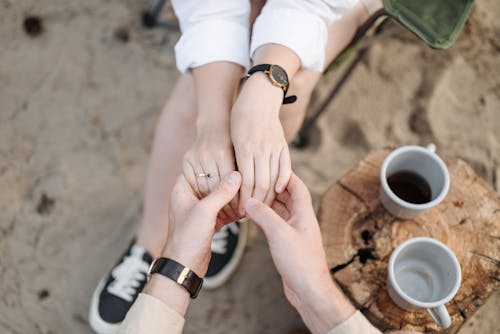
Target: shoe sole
99	325
222	277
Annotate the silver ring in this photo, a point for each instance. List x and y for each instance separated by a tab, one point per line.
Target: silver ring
205	175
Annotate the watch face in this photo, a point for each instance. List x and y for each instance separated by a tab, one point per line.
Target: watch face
279	75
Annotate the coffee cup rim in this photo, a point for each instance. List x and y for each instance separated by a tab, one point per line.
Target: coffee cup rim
402	202
406	297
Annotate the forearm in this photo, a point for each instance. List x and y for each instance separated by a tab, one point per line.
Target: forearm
215	86
169	292
160	308
258	87
323	307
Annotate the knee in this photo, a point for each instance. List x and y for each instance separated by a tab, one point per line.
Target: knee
303	83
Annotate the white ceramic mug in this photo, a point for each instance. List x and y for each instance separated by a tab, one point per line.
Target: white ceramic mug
424	273
422	161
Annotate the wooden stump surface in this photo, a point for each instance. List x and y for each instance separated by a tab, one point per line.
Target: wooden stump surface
359	236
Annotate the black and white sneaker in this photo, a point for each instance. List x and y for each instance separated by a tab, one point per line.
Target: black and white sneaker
116	293
227	246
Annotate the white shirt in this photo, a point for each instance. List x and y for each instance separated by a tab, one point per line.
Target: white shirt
219	30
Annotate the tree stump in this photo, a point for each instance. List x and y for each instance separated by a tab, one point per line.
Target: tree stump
359	236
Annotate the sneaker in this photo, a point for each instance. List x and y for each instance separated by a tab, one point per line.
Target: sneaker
227	247
116	293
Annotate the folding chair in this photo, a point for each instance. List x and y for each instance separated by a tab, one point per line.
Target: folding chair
436	22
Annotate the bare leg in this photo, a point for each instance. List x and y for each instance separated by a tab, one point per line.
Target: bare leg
340	33
175	132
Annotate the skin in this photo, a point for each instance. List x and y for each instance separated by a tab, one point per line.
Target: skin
294	239
193	137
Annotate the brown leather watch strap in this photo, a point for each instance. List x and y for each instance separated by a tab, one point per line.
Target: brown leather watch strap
178	273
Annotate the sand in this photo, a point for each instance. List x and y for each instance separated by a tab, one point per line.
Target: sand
78	104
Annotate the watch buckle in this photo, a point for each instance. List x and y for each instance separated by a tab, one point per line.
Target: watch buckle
183	275
148	275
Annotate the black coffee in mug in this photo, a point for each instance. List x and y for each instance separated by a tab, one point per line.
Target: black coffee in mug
410	187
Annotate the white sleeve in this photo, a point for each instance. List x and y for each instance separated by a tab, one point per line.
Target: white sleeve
301	25
212	30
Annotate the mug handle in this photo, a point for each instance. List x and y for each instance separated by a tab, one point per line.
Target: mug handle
431	147
440	315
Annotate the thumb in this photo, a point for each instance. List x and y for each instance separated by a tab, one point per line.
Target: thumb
224	193
264	216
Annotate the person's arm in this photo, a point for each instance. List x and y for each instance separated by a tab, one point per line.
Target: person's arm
213	48
260	146
212	152
292	34
296	247
162	305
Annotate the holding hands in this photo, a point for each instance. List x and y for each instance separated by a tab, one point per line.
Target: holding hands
293	236
206	162
193	222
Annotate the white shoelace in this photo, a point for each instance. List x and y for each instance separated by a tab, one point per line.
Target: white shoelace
128	275
219	242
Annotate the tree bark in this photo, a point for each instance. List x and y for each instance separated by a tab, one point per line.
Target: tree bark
359	236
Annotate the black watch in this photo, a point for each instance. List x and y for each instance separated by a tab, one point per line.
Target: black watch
178	273
278	78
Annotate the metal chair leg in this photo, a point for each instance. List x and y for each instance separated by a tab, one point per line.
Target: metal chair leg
303	137
150	17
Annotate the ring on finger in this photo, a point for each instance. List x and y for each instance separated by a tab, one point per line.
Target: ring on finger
209	175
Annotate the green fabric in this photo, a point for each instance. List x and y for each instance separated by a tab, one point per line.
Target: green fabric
436	22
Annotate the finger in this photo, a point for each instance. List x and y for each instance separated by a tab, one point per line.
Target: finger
274	168
262	180
183	194
300	201
268	220
218	225
214	180
285	170
281	210
202	180
298	191
211	169
183	188
285	198
190	176
225	167
246	168
221	195
222	215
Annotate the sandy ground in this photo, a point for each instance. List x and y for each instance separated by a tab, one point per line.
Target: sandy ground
77	112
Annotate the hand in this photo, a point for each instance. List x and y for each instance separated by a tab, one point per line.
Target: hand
259	142
213	155
193	222
295	243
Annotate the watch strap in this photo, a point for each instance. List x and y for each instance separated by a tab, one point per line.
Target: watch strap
178	273
259	68
267	67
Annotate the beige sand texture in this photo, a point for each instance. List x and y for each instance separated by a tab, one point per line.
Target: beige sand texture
77	112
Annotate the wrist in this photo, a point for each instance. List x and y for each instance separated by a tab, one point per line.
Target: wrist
323	306
214	119
259	88
169	292
191	261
